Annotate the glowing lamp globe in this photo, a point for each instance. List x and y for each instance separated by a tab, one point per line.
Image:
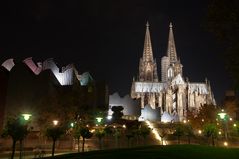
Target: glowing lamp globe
55	122
26	116
222	115
99	119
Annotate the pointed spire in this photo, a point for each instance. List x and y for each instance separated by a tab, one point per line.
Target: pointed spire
171	51
148	53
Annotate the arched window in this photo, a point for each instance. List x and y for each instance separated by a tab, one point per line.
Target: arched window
170	73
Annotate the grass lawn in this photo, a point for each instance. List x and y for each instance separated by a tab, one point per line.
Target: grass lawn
160	152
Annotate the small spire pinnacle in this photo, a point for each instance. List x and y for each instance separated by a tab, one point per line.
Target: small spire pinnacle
147	24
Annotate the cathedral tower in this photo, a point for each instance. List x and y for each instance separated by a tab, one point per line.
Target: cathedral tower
147	64
170	64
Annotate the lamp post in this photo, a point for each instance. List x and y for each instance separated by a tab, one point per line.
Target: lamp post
223	116
26	117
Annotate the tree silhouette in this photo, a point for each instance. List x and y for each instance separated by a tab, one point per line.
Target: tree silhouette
16	130
179	131
144	132
54	133
117	134
117	112
100	133
163	131
86	134
210	130
77	134
188	130
131	130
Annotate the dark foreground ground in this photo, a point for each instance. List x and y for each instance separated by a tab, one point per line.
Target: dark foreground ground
159	152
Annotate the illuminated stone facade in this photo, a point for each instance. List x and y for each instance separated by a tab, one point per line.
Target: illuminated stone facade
173	94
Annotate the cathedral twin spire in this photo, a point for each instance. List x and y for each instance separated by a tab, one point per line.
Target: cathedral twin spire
148	66
171	51
148	53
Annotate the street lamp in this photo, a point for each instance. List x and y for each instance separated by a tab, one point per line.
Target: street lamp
99	119
26	118
223	116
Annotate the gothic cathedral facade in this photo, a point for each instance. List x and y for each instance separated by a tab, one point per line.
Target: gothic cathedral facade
172	94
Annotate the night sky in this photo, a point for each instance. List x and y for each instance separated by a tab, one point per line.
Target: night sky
106	37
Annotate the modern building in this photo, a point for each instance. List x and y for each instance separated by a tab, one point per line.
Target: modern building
173	94
131	107
27	87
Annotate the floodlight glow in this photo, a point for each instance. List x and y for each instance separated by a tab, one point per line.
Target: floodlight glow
55	122
26	116
202	120
222	115
109	117
124	126
234	125
219	132
184	121
230	119
99	119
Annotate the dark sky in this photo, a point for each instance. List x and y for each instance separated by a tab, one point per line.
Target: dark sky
106	37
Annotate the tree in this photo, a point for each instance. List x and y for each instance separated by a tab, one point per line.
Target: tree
86	134
144	132
100	133
188	132
77	134
129	136
108	131
117	112
207	113
54	133
131	128
117	135
16	130
210	130
162	133
179	131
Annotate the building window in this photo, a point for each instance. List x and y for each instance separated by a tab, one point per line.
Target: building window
170	73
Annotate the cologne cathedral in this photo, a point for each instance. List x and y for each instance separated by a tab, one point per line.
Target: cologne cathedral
172	95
